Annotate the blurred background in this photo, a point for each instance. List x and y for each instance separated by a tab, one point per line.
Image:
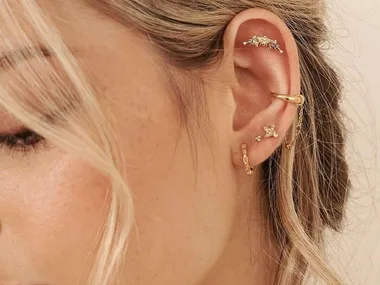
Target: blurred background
355	47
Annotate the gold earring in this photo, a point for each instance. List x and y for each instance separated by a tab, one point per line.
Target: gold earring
265	42
299	100
248	168
270	132
259	139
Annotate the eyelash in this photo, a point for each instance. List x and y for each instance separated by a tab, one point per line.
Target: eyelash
22	142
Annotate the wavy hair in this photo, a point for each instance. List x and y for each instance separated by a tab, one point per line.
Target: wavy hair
306	190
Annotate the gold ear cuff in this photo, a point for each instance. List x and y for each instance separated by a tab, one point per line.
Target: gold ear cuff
270	131
298	100
263	41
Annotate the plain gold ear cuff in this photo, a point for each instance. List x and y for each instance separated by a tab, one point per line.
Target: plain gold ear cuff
248	168
298	100
263	41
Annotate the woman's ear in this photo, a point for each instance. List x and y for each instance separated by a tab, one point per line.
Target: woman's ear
260	66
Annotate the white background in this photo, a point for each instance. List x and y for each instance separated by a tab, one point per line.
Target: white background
355	26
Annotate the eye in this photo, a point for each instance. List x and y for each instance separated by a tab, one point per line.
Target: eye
23	141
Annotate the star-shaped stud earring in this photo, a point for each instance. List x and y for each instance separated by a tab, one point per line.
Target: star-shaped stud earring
270	132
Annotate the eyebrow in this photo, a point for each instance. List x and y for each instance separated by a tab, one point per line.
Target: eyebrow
10	59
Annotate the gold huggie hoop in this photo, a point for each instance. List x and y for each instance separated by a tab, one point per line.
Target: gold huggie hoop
263	41
298	100
248	168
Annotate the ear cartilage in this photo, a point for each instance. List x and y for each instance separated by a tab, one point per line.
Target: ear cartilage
265	42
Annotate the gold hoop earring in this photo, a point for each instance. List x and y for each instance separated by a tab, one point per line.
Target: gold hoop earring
298	100
263	41
248	168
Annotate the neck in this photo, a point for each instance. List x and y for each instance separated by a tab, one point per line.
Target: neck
248	259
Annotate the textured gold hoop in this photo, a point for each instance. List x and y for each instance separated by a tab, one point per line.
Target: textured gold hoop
248	168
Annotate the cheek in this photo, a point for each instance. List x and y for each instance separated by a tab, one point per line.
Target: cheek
50	214
183	214
183	218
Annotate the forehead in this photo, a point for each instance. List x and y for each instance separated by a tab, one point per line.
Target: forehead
26	24
91	36
29	19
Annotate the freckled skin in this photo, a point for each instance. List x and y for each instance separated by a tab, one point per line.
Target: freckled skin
52	203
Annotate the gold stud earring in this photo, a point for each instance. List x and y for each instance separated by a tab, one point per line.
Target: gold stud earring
265	42
248	168
270	132
259	138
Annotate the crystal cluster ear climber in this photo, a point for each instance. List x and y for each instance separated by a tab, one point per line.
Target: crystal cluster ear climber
265	42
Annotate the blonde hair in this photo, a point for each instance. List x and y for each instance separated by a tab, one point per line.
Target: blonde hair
306	189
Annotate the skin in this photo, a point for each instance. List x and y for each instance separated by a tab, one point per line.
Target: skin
204	226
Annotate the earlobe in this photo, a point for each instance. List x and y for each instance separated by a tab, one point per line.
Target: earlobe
266	69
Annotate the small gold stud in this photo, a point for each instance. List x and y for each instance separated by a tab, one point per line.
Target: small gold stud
258	139
270	132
